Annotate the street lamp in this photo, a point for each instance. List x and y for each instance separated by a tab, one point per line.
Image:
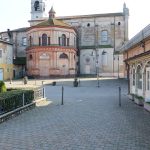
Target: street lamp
117	58
97	73
64	69
118	66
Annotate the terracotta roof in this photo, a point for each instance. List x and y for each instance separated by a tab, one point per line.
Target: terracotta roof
53	22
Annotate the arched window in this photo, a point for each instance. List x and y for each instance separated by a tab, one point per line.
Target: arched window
133	76
104	58
36	5
139	77
30	57
104	36
44	39
63	40
63	56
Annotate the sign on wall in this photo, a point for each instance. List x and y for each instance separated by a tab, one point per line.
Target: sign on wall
44	56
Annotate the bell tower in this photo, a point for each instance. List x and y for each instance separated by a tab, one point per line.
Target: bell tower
38	9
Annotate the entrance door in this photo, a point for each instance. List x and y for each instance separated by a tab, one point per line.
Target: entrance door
147	84
44	68
1	74
87	69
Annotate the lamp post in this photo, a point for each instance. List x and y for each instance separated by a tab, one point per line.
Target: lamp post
64	69
118	66
97	73
96	50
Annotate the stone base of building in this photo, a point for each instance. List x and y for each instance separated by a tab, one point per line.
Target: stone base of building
147	106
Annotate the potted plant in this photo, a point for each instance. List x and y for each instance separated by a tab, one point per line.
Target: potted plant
54	83
139	100
75	82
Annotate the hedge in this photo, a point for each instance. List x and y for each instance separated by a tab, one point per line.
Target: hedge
2	87
11	100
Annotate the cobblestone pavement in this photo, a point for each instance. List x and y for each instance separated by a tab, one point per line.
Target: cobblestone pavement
90	119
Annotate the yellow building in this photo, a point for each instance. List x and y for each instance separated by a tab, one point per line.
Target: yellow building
6	60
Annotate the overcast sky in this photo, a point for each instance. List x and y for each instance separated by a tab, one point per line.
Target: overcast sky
16	13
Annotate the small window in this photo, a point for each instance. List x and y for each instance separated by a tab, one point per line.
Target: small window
30	57
88	25
39	41
63	40
67	41
24	41
119	23
104	36
44	39
63	56
36	5
49	41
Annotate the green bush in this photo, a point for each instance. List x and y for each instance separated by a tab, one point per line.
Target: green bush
2	87
11	100
139	97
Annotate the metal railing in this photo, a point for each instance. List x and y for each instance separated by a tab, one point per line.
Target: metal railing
39	93
20	100
13	107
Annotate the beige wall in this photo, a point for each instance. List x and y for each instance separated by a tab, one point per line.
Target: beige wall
53	32
6	61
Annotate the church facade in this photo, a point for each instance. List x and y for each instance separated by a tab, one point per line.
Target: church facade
84	44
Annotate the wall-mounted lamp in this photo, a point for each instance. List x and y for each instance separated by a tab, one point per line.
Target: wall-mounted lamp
103	53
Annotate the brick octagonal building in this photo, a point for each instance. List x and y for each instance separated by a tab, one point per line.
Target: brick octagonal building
51	48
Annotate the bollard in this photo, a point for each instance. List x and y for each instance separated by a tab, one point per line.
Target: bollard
119	96
62	98
23	99
98	83
43	92
79	82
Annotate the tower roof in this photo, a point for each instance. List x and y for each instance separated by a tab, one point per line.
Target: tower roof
52	10
52	13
